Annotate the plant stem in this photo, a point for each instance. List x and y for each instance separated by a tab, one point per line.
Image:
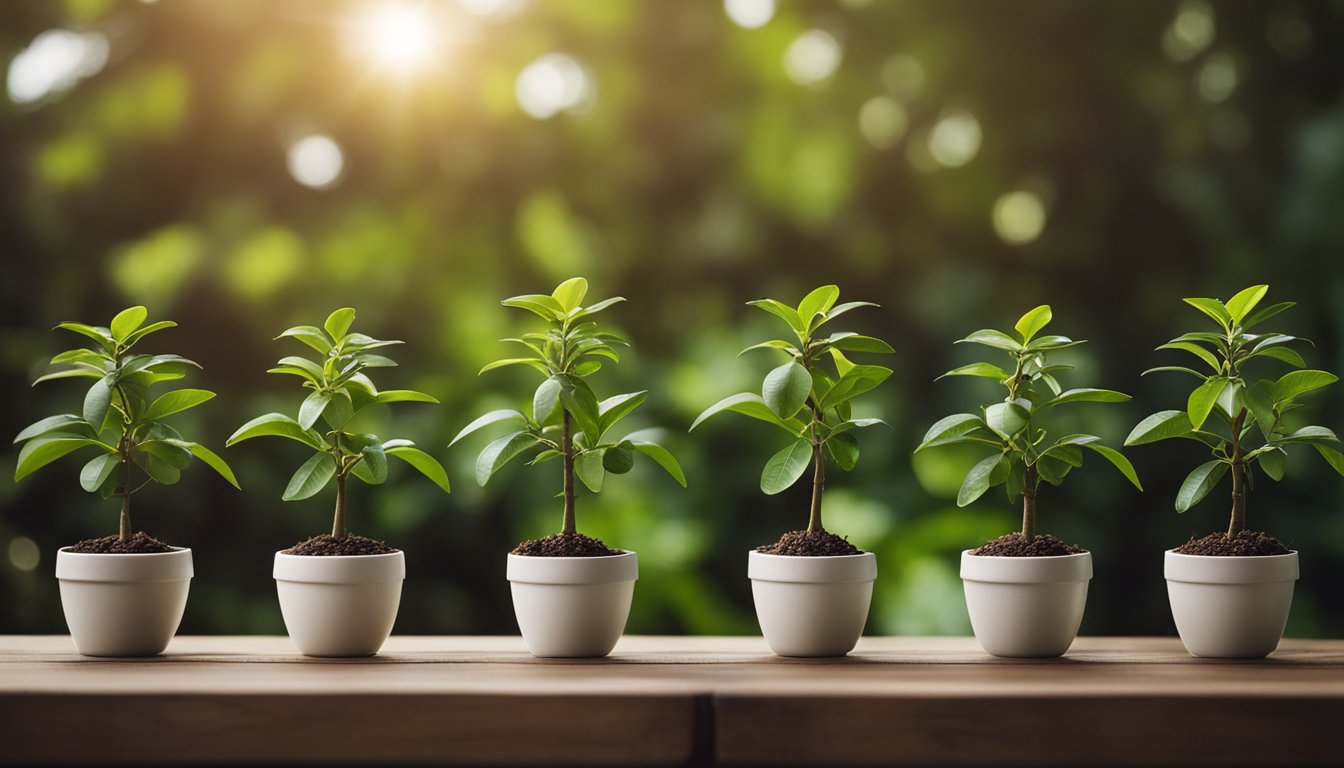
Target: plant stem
1238	522
567	444
338	524
1029	504
125	530
818	483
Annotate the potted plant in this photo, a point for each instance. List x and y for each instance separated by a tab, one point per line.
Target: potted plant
123	595
1025	591
571	592
1231	591
339	592
811	588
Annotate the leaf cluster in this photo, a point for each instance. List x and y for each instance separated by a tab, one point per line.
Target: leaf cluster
339	387
120	417
1237	420
810	395
1023	454
570	350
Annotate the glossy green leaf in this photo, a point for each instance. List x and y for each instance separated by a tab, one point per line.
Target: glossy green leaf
1300	382
97	471
785	467
1198	484
819	301
855	381
782	346
1241	304
80	373
1086	395
1283	354
310	335
338	322
541	305
569	294
983	370
493	417
588	468
783	311
160	471
1311	434
1177	369
372	465
501	452
531	362
1118	459
1214	309
213	460
545	399
1331	455
126	321
101	335
405	396
978	479
1197	351
424	463
1265	313
276	425
1033	321
950	427
748	404
577	398
619	458
617	407
1160	426
991	338
171	453
1006	419
175	402
663	458
310	478
1261	405
97	400
65	422
1202	400
312	408
786	389
1271	461
853	342
844	448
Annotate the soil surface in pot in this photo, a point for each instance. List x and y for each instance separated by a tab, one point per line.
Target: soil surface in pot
810	544
140	543
565	545
327	545
1245	543
1013	545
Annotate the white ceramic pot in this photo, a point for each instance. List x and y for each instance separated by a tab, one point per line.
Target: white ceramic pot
1026	607
812	606
1230	607
123	604
339	605
572	607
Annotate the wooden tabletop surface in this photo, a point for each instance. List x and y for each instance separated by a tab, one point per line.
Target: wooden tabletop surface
670	701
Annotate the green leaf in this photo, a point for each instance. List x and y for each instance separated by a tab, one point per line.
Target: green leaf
501	452
1198	484
175	402
1047	343
1283	354
1240	305
98	400
1232	398
493	417
844	448
173	453
372	465
1032	322
855	381
784	468
1300	382
1089	396
310	478
983	370
277	425
214	461
841	309
405	396
528	361
1261	406
569	294
1053	470
619	458
1118	459
853	342
1311	435
786	389
40	452
782	311
950	427
1160	426
748	404
64	421
1332	456
311	370
593	309
82	373
545	399
663	458
588	468
1214	309
849	424
312	407
126	321
161	471
101	335
339	410
577	398
617	407
1271	461
369	360
426	464
978	479
819	301
97	471
782	346
541	305
1266	313
310	335
1006	419
1203	399
1016	482
338	322
991	338
1196	350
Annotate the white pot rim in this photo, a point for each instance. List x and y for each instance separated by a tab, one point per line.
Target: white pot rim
340	569
141	567
1230	569
603	569
806	569
1049	569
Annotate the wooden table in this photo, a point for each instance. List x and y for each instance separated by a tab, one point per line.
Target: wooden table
671	700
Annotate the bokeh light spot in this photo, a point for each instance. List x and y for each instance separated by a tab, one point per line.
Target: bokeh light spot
903	75
24	554
955	139
812	57
553	84
1191	31
54	62
316	161
882	122
492	9
1019	217
1217	78
749	14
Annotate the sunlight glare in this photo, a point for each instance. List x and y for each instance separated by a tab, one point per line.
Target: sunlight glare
399	37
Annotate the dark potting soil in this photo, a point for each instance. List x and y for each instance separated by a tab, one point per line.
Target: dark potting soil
139	543
1014	545
565	545
327	545
810	544
1245	543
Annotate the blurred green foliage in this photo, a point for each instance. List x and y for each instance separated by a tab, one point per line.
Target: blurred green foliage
953	160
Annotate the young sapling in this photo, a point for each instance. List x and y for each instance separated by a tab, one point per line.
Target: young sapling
566	420
122	421
813	405
1242	424
1022	457
340	387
